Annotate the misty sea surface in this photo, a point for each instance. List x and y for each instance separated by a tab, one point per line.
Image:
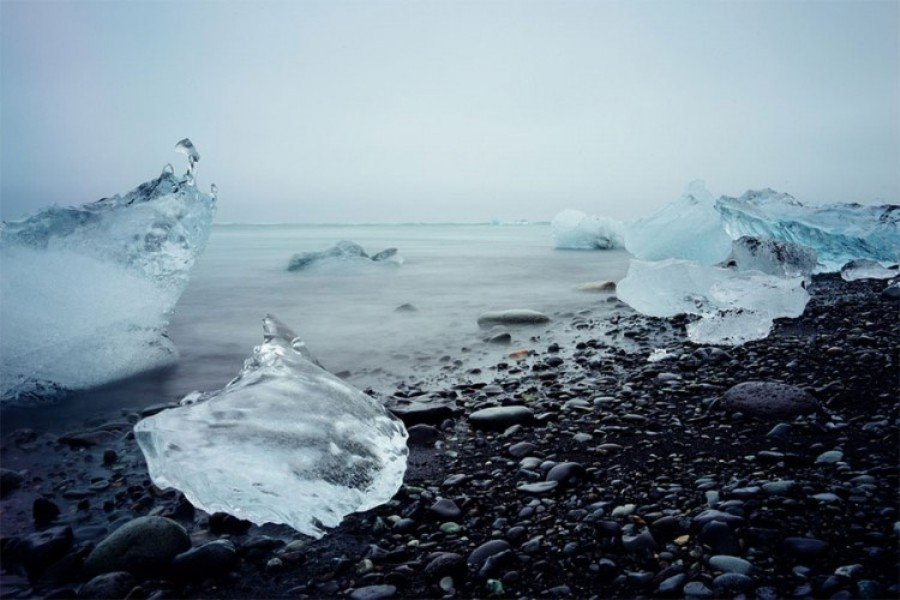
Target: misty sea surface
346	311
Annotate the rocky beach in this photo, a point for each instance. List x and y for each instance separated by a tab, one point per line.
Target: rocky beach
764	470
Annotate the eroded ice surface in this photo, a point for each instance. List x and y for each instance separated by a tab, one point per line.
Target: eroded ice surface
866	269
689	228
734	306
575	230
87	292
346	253
838	233
772	256
284	442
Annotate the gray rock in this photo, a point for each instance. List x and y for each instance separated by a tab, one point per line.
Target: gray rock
734	582
672	585
730	564
501	417
445	564
444	508
804	548
519	316
566	473
541	487
108	586
373	592
827	458
412	412
521	449
9	480
214	559
483	552
422	435
769	399
696	589
143	546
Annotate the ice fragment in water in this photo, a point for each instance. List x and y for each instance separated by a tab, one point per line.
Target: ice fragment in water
343	252
734	306
838	233
772	257
688	228
866	269
575	230
186	147
87	292
284	442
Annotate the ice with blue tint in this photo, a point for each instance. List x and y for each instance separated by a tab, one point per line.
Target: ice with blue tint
838	233
344	253
772	257
86	293
734	306
575	230
284	442
866	269
689	228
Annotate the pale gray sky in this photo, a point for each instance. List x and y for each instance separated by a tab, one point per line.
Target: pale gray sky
449	111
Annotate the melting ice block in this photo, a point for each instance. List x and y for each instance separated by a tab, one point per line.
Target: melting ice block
838	233
734	306
575	230
866	269
688	228
87	292
343	252
284	442
772	257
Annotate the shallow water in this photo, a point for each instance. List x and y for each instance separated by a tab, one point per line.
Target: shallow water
346	312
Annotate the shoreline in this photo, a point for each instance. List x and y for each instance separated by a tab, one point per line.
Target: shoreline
642	452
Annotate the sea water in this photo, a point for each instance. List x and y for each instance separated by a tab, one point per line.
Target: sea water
347	313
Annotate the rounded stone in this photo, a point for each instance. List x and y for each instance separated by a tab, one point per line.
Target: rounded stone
501	417
108	586
769	399
519	316
143	546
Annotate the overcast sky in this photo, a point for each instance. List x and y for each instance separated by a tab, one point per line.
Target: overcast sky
449	111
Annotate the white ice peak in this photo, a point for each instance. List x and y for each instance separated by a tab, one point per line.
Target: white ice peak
187	148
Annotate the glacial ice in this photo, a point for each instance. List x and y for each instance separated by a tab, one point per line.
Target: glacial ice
284	442
866	269
838	233
344	252
688	228
575	230
772	257
87	292
734	306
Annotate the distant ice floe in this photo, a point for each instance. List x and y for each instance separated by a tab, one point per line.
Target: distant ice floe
284	442
575	230
87	292
346	253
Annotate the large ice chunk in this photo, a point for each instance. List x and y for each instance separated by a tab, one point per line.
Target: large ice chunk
86	293
838	233
284	442
688	228
772	257
346	253
734	306
575	230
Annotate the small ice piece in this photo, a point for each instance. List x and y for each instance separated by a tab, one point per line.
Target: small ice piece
660	354
772	257
866	269
838	233
186	147
343	252
735	306
688	228
284	442
87	292
575	230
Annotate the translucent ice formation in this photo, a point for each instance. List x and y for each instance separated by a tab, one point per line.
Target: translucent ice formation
838	233
343	252
87	292
187	148
772	257
734	306
688	228
574	230
284	442
866	269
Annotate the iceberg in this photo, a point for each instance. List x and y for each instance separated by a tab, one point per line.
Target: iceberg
343	252
866	269
87	292
734	306
772	257
838	233
689	228
575	230
284	442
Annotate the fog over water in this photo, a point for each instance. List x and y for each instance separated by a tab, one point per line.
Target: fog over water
449	111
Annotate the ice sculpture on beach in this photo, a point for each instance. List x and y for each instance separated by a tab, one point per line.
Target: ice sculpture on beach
734	306
284	442
87	292
575	230
772	257
343	253
689	228
866	269
838	233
